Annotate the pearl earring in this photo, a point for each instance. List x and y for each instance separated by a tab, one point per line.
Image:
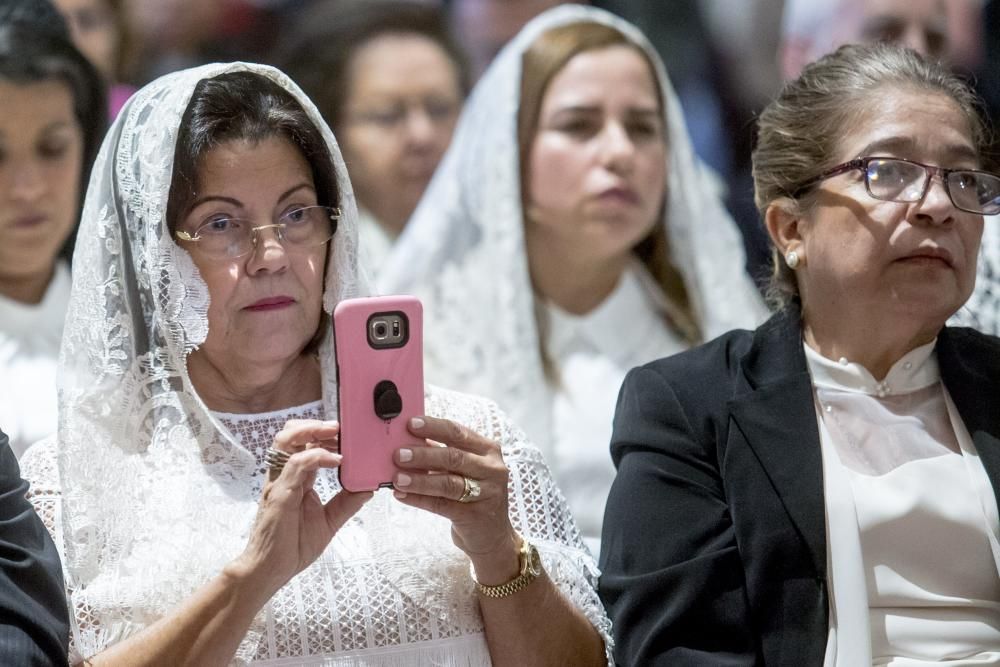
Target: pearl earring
792	259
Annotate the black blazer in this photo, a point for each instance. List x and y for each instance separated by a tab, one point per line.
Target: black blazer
714	543
34	620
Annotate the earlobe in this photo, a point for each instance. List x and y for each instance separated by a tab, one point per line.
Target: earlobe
782	220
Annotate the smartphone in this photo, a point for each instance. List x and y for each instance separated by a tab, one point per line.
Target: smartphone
380	384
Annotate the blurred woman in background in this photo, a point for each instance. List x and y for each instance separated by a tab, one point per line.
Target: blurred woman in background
53	118
389	80
100	31
570	234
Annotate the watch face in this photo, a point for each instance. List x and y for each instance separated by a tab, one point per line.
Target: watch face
534	561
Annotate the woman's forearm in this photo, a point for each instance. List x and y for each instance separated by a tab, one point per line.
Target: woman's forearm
206	629
539	626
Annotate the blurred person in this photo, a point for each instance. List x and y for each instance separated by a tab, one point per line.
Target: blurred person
192	482
390	81
34	625
569	234
169	35
53	118
100	31
485	26
811	29
823	490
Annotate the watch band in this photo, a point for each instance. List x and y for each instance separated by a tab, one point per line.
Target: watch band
530	570
509	588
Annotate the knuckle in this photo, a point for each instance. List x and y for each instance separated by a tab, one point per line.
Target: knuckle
456	457
457	432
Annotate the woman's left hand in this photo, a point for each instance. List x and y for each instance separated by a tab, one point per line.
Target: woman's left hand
433	478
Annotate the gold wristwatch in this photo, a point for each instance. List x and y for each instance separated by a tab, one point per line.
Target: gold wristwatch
531	569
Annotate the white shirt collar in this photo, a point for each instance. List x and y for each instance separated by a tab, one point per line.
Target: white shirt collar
44	318
915	370
619	325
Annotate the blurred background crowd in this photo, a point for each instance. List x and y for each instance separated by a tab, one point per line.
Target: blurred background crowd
726	59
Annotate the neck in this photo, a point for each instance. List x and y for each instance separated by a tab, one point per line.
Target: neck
876	342
250	386
576	284
28	289
392	223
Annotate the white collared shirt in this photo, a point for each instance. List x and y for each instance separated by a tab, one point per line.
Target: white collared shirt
29	351
924	511
592	353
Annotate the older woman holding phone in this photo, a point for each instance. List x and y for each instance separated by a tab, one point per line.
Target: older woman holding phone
823	490
191	484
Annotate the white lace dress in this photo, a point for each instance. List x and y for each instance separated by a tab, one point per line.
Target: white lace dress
391	589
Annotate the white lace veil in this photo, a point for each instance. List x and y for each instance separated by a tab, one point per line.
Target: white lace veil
155	491
463	251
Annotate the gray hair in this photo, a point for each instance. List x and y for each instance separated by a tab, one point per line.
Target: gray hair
799	133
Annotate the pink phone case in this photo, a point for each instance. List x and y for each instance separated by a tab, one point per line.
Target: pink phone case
374	381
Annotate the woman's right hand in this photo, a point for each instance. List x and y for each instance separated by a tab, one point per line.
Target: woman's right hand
293	526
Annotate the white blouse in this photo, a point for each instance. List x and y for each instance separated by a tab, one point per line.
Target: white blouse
391	589
592	353
924	515
29	349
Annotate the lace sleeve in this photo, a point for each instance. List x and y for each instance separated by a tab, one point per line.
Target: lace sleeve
538	509
38	467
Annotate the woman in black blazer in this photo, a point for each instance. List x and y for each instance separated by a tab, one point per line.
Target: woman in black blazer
822	491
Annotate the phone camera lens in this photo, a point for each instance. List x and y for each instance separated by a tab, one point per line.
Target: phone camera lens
380	330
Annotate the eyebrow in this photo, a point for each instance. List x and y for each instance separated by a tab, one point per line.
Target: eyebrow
57	125
236	202
590	111
904	145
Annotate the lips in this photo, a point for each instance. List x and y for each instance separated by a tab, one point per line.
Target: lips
271	303
619	195
934	254
29	221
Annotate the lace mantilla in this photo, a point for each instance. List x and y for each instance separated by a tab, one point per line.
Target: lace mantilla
391	589
463	252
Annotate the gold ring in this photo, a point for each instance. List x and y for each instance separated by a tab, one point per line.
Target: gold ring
472	491
275	460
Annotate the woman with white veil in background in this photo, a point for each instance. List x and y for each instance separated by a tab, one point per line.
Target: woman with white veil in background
569	234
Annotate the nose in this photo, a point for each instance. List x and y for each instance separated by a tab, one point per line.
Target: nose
28	182
420	128
269	254
915	38
935	207
617	148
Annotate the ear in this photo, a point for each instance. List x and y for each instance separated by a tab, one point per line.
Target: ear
783	220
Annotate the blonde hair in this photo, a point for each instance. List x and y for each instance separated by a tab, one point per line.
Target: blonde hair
800	132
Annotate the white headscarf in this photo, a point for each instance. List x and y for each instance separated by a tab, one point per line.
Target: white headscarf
463	252
156	496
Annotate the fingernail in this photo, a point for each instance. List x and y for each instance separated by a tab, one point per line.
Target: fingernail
403	479
399	494
405	455
417	422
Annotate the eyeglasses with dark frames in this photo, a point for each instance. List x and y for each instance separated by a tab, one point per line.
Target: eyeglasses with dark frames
906	181
225	237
